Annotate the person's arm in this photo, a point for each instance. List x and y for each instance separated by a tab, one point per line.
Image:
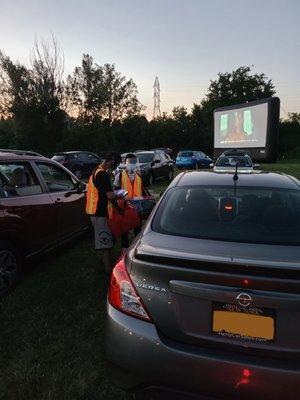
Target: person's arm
117	181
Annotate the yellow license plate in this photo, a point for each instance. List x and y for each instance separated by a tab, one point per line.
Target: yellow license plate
243	325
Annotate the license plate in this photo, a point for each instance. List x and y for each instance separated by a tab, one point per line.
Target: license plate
233	321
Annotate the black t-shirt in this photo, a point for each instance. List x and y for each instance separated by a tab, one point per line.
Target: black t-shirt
103	185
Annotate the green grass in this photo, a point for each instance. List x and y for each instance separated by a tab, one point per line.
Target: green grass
52	326
290	167
52	331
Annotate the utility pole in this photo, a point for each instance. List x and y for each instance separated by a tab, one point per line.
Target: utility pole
156	97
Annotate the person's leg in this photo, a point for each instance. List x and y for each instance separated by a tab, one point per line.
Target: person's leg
103	241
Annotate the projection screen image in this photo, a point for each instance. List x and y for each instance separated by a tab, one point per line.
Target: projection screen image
241	127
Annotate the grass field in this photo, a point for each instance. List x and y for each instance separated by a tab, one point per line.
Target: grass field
51	330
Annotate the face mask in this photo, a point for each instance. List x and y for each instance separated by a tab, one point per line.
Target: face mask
131	167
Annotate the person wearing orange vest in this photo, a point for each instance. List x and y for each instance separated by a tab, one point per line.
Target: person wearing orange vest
99	205
131	181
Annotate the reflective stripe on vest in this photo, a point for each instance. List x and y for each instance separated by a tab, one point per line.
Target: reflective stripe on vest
92	197
134	188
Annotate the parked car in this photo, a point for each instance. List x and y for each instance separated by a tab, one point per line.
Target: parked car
231	158
153	165
81	163
41	207
206	302
191	159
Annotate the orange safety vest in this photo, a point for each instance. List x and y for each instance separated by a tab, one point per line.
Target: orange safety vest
92	197
135	188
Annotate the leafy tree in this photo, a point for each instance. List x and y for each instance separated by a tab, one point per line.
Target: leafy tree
235	87
85	90
120	95
31	97
100	92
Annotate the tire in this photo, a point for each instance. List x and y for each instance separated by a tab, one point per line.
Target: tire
78	173
10	268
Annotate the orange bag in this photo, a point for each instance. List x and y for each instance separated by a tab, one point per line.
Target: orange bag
120	224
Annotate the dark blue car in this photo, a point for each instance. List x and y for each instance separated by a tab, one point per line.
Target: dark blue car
192	159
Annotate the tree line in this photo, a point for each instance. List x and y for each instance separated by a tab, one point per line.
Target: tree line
96	108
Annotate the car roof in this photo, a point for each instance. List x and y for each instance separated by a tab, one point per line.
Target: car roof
21	152
146	151
254	179
17	157
73	152
236	152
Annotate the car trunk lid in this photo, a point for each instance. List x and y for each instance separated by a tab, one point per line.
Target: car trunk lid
196	298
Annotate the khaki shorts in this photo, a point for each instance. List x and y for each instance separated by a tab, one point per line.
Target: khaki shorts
103	236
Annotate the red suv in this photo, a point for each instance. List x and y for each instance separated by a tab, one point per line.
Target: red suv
41	206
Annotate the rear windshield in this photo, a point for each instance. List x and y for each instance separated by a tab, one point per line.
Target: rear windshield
230	161
254	215
59	158
144	157
185	154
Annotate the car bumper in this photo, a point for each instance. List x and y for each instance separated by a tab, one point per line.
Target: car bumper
139	359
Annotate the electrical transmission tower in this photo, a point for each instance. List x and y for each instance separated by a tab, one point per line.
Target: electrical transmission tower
156	108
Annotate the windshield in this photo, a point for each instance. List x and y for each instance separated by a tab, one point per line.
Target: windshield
254	215
185	154
230	161
144	157
59	158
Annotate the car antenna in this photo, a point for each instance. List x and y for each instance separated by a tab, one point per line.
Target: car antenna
235	178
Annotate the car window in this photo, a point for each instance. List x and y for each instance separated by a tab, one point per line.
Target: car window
231	161
254	215
185	154
57	180
144	157
92	158
18	179
59	157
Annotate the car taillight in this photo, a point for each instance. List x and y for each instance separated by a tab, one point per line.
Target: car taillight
122	294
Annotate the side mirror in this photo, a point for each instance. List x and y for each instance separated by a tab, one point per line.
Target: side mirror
80	187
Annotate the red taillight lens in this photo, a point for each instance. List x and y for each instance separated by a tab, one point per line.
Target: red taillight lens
122	294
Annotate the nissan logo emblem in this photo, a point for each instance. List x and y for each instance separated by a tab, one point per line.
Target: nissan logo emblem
244	299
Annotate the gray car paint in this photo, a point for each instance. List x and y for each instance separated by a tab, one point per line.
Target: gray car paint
178	348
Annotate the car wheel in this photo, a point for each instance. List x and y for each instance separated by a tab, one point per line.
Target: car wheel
170	175
78	173
10	268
